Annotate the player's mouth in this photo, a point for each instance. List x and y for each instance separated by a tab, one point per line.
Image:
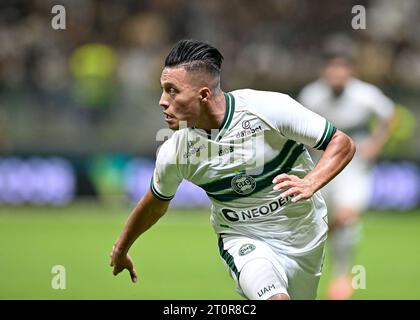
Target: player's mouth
168	117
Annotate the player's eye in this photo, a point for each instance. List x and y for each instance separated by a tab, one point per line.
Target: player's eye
171	90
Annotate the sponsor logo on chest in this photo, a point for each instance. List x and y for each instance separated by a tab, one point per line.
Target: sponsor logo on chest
224	151
243	184
253	213
248	130
193	149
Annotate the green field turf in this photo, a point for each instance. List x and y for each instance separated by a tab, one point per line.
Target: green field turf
176	259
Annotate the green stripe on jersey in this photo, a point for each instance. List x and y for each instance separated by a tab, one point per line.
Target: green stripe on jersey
263	181
230	110
323	135
326	136
227	257
157	194
225	183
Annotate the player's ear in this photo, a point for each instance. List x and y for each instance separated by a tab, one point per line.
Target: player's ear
205	94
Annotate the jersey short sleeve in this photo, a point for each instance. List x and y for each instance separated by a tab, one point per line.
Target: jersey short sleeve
379	103
166	175
293	120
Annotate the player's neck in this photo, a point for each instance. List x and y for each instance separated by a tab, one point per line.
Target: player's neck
213	113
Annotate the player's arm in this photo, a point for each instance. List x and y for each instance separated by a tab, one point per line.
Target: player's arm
373	145
153	205
383	108
338	153
297	123
146	213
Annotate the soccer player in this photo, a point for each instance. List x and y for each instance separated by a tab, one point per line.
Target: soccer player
350	104
246	149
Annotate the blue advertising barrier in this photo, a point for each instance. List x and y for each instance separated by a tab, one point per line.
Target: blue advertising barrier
59	180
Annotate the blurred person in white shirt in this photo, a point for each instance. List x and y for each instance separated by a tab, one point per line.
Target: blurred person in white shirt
350	104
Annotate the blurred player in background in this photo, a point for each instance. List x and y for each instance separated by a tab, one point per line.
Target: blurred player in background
350	104
270	223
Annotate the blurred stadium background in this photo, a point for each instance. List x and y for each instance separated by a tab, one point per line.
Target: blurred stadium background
78	121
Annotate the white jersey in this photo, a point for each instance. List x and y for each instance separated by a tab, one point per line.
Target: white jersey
351	111
263	134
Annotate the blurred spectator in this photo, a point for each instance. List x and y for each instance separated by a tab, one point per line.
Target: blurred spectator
108	60
93	67
350	104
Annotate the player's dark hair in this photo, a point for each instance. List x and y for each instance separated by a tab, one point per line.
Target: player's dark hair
195	55
338	54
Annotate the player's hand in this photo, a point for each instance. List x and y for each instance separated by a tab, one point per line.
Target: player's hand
297	187
121	261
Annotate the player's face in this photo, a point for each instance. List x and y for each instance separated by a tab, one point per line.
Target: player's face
336	73
180	98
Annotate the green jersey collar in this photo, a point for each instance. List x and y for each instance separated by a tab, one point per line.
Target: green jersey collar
227	119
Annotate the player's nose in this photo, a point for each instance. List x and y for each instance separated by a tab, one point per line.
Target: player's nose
163	102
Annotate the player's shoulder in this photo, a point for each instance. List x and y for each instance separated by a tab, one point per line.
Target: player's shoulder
363	87
168	150
255	94
254	100
175	137
313	91
274	108
315	86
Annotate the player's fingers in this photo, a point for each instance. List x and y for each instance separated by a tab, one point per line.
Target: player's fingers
290	192
111	263
116	270
133	275
285	184
298	198
301	196
281	177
